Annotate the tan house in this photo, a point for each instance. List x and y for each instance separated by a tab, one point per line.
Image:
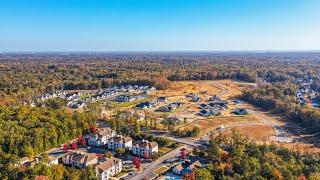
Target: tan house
108	168
120	142
145	146
80	160
101	137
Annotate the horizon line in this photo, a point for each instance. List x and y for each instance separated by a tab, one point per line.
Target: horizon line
159	51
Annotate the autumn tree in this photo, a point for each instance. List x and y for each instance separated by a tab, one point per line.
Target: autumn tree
74	145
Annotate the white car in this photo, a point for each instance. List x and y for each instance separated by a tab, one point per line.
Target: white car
131	173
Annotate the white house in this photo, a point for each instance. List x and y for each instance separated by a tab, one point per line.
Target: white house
120	142
24	160
145	146
53	160
163	99
101	137
80	160
108	168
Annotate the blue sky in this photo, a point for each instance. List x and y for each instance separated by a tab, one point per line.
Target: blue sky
159	25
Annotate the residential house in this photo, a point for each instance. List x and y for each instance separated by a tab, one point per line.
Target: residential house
211	112
120	142
215	112
214	97
79	104
32	163
162	99
240	111
186	167
142	106
146	91
24	160
177	104
191	95
167	108
203	106
213	105
147	104
101	137
126	98
154	102
108	168
80	160
175	120
145	146
70	96
204	113
53	160
196	99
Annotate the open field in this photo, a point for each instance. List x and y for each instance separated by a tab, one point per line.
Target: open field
258	133
209	124
181	88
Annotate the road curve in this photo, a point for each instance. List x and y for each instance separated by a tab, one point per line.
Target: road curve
157	164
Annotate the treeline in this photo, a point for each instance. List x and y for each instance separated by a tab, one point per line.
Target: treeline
25	76
247	160
54	172
280	98
243	75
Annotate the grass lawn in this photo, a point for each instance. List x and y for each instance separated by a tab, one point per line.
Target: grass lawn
160	170
176	110
212	117
85	96
126	104
124	171
164	150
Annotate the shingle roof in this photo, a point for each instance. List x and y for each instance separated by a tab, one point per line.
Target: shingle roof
121	139
195	164
101	133
146	144
83	158
104	166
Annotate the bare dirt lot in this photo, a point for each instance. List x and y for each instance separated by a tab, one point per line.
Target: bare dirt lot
209	124
258	133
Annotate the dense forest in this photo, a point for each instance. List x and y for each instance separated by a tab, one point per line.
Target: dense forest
243	159
23	76
27	132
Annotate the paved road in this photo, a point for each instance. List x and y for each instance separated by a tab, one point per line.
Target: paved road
223	92
183	141
157	164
